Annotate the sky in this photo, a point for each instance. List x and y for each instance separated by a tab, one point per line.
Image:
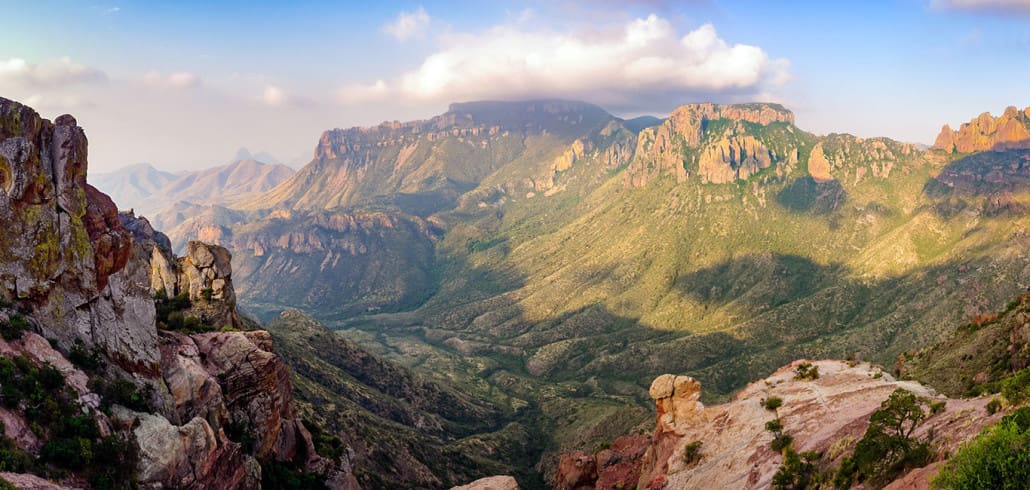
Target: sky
184	84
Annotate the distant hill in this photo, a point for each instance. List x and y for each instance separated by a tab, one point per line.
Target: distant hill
148	190
132	186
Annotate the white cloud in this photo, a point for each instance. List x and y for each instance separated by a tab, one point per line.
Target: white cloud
49	73
1017	6
408	25
274	96
177	80
647	58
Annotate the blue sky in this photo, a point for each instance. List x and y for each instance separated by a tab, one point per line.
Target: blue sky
184	84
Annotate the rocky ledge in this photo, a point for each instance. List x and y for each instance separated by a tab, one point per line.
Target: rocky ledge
729	446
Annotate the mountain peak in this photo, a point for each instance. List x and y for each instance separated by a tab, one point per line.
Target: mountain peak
985	132
689	119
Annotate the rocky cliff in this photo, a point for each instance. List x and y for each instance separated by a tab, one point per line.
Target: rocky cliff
170	409
355	165
687	141
985	132
730	446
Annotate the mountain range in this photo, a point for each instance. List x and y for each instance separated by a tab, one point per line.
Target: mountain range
560	257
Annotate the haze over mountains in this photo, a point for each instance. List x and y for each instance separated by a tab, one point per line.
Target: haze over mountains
149	190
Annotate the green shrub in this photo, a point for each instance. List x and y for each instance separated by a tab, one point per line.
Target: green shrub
86	359
12	458
692	454
6	485
125	393
887	448
207	294
14	327
798	470
780	440
806	371
73	453
999	458
937	407
282	476
326	445
772	403
117	469
237	431
993	406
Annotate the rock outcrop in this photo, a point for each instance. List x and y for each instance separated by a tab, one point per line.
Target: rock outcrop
731	447
491	483
63	251
76	272
985	133
729	157
733	158
204	274
192	455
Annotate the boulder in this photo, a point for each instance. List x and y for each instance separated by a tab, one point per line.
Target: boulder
576	471
191	455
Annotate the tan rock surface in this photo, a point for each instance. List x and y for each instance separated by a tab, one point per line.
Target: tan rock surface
23	481
985	132
818	165
491	483
659	151
818	414
192	455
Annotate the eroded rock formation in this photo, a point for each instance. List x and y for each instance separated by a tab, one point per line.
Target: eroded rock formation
73	270
727	158
985	132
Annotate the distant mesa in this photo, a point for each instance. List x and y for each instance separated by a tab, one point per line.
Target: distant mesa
985	133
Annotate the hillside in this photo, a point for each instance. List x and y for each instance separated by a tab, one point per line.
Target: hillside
405	430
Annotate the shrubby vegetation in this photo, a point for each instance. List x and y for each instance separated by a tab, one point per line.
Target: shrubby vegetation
170	314
999	458
326	445
14	327
887	449
692	454
73	440
86	359
772	403
275	474
806	371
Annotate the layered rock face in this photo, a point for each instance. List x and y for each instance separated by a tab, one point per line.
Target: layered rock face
734	451
63	250
661	150
1008	131
356	164
85	276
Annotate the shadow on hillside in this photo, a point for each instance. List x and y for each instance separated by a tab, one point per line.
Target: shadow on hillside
985	180
790	307
805	195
